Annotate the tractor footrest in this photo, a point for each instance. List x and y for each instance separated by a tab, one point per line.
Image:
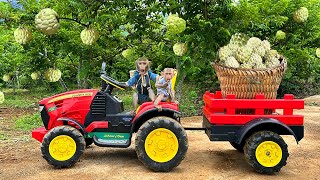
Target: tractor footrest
121	143
39	133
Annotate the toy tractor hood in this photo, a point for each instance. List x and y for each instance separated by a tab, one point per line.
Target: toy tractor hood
70	94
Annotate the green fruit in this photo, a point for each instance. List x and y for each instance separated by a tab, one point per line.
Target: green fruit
259	66
35	76
22	35
273	63
255	59
128	53
47	21
1	97
243	54
224	52
89	36
254	42
266	45
318	52
246	66
180	49
6	78
239	39
271	55
232	62
52	75
175	25
280	35
301	15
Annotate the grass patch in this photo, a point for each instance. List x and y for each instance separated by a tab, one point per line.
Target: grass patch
3	137
29	122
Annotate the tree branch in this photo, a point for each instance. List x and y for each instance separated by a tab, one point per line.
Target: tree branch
86	25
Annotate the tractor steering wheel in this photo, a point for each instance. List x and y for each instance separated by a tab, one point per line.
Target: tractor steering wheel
109	80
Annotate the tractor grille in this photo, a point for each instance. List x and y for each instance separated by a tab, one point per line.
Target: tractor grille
98	106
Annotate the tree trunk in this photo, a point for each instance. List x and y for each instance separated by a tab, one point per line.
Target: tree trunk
180	80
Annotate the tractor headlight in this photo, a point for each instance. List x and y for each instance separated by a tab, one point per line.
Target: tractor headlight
41	108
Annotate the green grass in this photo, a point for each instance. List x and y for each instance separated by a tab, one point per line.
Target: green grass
28	122
3	137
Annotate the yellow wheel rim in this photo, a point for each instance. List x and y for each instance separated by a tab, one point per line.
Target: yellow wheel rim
269	154
161	145
62	148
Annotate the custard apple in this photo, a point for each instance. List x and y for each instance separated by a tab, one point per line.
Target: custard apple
266	45
89	36
259	66
243	54
224	52
280	35
175	25
180	49
318	52
128	53
272	55
6	78
35	76
47	21
52	75
254	42
255	59
233	48
301	15
1	97
22	35
232	62
239	39
246	66
273	63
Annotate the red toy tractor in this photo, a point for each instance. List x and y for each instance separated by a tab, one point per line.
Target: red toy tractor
76	119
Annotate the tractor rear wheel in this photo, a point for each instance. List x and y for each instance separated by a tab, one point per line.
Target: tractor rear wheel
266	152
62	146
161	144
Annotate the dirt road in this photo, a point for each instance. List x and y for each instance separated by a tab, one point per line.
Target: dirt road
20	158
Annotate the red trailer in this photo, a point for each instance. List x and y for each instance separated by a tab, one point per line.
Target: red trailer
256	133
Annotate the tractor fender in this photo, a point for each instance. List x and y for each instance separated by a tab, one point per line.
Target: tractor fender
151	113
81	127
260	124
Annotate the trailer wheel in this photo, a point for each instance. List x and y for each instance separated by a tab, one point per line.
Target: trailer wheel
161	144
62	146
237	146
266	152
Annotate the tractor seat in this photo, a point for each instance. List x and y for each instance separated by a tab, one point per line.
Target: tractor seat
113	82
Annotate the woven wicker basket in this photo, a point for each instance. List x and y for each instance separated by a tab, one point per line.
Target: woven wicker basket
246	83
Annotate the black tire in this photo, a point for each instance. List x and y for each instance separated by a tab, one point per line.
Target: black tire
154	124
89	141
69	131
252	144
238	147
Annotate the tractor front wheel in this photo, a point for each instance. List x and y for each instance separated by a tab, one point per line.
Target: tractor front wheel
266	152
62	146
161	144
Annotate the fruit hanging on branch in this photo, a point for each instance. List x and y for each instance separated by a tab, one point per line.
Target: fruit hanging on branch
301	15
318	52
128	53
89	36
47	21
52	75
280	35
22	35
1	97
35	76
6	78
180	49
175	25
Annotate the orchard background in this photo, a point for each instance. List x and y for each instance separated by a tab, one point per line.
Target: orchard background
140	26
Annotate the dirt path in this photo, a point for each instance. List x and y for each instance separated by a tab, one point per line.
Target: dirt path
21	158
